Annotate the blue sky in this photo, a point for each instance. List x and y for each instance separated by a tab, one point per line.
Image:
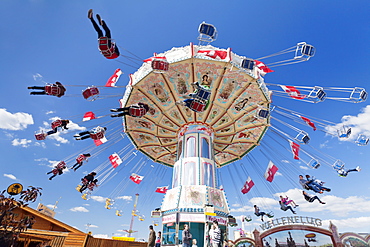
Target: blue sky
47	41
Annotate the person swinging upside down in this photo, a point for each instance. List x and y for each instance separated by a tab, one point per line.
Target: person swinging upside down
108	48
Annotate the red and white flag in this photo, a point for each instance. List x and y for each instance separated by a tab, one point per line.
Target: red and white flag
261	66
214	53
270	171
247	186
308	121
155	57
162	189
115	160
114	78
295	149
100	141
136	178
293	92
88	116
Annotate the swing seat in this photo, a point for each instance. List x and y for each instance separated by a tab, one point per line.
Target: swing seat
136	112
197	106
338	165
262	113
247	63
302	137
84	181
80	158
106	50
61	165
118	213
345	133
78	187
97	136
314	164
317	95
283	206
56	124
160	65
270	214
207	32
248	218
52	90
362	140
358	95
84	196
90	93
55	171
202	94
40	136
304	51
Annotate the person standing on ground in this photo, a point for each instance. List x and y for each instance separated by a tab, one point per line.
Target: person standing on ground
151	240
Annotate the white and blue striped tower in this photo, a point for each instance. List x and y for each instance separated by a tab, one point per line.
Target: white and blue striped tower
194	186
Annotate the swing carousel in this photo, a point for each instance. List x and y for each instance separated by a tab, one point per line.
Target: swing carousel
196	140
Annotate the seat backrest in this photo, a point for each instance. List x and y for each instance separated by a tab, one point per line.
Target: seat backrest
207	29
247	64
197	106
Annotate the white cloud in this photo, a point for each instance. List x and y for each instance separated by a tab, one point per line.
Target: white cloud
41	159
37	77
49	112
304	167
359	124
11	176
79	209
353	223
16	121
21	142
125	198
101	236
51	206
98	198
91	226
40	144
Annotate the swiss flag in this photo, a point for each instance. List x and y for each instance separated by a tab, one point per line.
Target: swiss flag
114	78
136	178
100	141
115	160
261	66
155	57
293	92
308	121
247	186
295	149
162	189
214	53
270	171
88	116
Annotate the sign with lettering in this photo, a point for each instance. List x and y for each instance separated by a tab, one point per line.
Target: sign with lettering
45	210
302	220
